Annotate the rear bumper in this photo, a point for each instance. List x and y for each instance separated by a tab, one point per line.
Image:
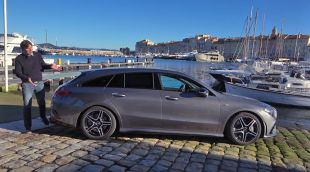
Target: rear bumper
59	122
63	114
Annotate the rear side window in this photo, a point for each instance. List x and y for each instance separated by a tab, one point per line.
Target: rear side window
98	82
117	81
139	80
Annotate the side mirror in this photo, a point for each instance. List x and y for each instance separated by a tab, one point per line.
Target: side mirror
184	88
202	92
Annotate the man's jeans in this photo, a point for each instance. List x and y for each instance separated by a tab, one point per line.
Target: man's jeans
28	89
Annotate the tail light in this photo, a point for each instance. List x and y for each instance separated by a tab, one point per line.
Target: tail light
62	92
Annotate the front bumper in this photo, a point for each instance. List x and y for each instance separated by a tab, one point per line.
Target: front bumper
269	121
272	132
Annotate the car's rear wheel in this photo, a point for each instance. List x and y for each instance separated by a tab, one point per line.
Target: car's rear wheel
244	128
98	123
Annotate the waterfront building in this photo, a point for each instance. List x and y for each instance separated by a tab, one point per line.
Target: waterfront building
276	45
125	51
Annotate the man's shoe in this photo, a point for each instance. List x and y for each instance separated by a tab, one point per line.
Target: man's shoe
45	121
28	131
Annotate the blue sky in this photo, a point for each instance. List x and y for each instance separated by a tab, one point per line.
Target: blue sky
121	23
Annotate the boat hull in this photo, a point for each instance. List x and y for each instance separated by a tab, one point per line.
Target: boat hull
208	58
272	97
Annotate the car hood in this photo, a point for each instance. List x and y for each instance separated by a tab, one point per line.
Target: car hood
244	100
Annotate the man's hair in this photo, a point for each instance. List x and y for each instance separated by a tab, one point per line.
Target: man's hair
24	44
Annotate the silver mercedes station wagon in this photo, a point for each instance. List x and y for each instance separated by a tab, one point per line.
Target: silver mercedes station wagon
101	102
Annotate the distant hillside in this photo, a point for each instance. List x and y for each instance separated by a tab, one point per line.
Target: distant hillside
51	46
47	45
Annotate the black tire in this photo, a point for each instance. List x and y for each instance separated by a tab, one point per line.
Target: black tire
96	126
244	128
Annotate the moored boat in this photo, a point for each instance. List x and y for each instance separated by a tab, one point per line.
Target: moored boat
211	56
274	90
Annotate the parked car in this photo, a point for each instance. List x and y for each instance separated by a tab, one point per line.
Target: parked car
101	102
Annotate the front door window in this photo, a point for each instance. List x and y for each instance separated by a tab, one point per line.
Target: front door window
176	83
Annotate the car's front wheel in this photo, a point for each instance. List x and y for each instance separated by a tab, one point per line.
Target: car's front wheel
244	128
98	123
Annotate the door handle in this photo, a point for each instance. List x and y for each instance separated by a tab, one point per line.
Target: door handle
118	95
171	98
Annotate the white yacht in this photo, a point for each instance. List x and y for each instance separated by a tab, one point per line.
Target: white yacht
270	88
145	55
280	81
14	49
187	56
211	56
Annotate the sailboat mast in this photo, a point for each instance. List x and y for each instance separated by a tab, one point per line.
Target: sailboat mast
248	34
240	41
261	37
253	37
267	44
278	45
45	37
296	46
246	38
281	40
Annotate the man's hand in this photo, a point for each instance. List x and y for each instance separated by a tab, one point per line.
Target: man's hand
31	82
56	67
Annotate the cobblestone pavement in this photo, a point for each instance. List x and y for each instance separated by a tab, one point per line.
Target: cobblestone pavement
61	149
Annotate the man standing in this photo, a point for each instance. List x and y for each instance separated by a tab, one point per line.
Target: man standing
29	67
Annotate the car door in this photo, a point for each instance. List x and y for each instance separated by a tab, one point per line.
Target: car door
136	100
183	109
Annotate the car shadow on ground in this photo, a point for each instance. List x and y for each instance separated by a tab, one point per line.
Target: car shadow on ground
58	130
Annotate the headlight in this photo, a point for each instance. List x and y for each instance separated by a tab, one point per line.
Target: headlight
272	111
